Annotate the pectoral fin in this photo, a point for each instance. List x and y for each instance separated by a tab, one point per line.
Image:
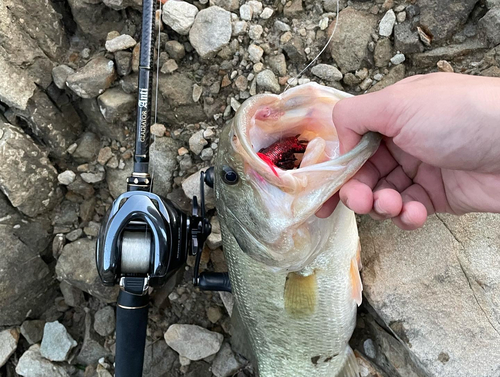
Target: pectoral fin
300	294
356	284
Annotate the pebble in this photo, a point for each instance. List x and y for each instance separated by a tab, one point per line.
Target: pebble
378	77
225	363
241	83
32	364
207	154
92	229
214	314
184	361
197	142
123	61
387	24
426	40
56	342
444	66
327	72
60	75
72	295
170	66
93	79
211	31
366	83
197	91
267	80
158	129
179	15
32	331
258	67
256	6
209	133
255	53
255	32
228	301
74	235
8	344
281	26
235	105
182	151
401	17
370	349
398	59
93	177
400	8
104	155
66	177
104	321
193	342
122	42
266	13
175	50
246	12
239	28
323	23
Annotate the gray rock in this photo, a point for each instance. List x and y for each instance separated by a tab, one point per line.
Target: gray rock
193	342
451	52
122	42
327	72
117	179
349	44
281	26
458	262
32	364
66	177
207	153
27	177
60	75
246	12
396	74
74	235
179	15
211	31
18	89
383	52
398	59
88	148
91	350
122	4
33	330
72	295
76	266
294	49
387	24
225	364
197	142
406	39
490	24
56	342
8	344
93	177
255	32
169	66
191	187
159	359
104	321
116	105
490	4
93	79
442	18
293	8
267	80
230	5
81	188
163	163
277	64
96	121
175	50
266	14
123	62
255	53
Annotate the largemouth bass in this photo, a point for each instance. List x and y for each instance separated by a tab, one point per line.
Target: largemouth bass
295	277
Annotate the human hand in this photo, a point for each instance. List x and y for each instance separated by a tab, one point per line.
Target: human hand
440	151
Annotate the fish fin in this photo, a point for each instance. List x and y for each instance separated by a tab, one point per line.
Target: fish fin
358	255
356	284
300	294
351	366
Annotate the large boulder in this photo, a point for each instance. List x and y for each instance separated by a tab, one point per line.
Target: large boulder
438	290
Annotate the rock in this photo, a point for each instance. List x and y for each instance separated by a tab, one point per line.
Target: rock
197	142
255	53
246	12
396	74
164	162
294	49
327	72
92	229
76	266
277	64
225	363
116	105
191	187
60	75
293	8
442	18
32	364
93	177
175	50
8	344
281	26
387	24
122	42
454	254
383	52
211	31
123	62
104	321
179	15
72	295
16	91
117	179
81	188
104	155
490	24
398	59
56	342
193	342
406	40
366	368
27	177
491	72
74	235
267	80
88	148
158	130
96	121
349	43
33	330
230	5
444	66
93	79
401	17
169	66
214	314
66	177
207	153
450	53
91	351
266	13
255	32
159	359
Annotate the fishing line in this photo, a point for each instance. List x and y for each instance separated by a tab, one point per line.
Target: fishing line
321	52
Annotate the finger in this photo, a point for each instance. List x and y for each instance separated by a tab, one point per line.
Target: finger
396	179
387	203
413	216
357	196
328	207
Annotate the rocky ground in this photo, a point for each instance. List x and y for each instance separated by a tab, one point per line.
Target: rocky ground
67	103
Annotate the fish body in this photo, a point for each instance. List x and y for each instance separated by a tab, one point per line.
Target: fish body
295	277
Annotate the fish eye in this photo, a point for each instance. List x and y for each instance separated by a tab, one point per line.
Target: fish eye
229	176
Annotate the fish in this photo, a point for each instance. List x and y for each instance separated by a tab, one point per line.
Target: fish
295	277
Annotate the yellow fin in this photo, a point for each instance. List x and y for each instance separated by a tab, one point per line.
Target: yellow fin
300	294
356	284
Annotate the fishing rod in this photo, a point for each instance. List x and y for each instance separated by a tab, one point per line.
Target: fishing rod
144	239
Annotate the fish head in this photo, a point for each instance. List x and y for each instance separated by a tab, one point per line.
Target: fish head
270	211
